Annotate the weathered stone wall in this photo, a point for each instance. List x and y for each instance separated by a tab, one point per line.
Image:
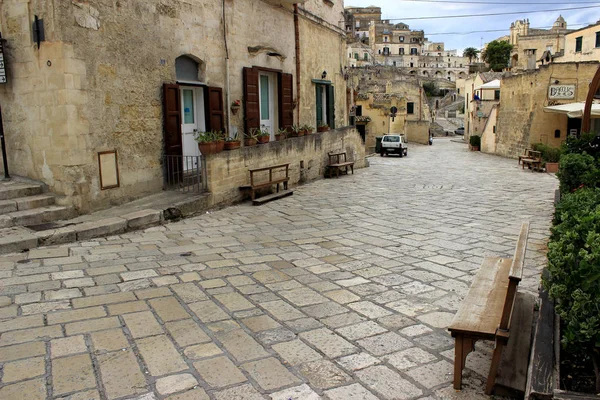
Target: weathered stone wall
307	156
417	131
521	117
95	84
488	136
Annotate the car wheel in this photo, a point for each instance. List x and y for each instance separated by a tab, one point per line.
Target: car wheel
381	154
401	153
406	152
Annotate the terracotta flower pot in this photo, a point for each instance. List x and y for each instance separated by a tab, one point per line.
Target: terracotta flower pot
207	148
279	137
220	145
323	129
232	145
263	139
249	142
551	168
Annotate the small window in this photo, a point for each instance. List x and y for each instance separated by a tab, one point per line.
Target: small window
578	44
366	57
597	39
494	129
358	23
401	51
410	108
394	63
401	39
458	90
385	38
413	51
557	133
496	95
356	56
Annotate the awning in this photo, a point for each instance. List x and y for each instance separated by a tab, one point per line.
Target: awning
573	110
495	84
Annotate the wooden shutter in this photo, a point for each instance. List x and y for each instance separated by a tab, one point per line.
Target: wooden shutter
214	109
331	106
319	95
286	100
172	120
251	104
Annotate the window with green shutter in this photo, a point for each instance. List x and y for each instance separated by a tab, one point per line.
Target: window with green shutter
410	108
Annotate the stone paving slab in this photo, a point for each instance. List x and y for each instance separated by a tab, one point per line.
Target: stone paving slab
332	293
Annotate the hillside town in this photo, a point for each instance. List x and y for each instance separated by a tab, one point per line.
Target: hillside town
299	200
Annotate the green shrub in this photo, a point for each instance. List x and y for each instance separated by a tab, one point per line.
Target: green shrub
574	272
576	170
475	141
549	154
581	144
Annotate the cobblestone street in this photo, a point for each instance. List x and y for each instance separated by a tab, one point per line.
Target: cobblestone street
342	291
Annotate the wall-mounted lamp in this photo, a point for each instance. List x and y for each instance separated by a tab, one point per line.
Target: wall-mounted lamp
324	75
556	82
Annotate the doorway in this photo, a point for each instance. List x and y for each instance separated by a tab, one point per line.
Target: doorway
267	97
192	119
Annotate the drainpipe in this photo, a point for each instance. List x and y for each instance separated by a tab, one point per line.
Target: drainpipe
297	36
227	95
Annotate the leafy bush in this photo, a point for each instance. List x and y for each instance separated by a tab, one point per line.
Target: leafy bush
576	170
581	144
574	267
549	154
475	141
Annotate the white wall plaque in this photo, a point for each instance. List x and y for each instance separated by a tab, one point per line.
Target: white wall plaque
562	92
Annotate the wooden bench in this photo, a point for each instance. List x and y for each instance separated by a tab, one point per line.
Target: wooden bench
485	313
259	179
524	155
337	163
533	161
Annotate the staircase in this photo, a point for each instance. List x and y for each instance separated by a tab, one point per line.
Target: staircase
25	204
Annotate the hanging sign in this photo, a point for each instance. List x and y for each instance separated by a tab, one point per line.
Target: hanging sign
2	66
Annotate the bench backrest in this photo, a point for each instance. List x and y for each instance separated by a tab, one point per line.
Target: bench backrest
514	277
270	169
337	157
536	155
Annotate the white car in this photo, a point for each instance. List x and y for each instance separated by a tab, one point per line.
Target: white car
394	144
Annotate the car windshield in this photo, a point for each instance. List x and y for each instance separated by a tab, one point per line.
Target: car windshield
391	138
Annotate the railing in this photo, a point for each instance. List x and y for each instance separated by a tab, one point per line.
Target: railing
184	173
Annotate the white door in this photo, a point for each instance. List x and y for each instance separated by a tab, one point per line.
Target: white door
192	110
268	101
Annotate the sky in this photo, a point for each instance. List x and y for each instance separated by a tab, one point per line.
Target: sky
401	10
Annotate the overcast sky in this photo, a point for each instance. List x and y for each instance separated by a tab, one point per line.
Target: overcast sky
399	10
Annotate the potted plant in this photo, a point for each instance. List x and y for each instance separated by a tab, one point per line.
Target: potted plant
250	138
296	131
235	106
281	134
207	142
233	142
362	119
475	142
263	136
308	129
322	127
550	156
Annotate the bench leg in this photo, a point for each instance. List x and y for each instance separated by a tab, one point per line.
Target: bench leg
494	367
462	347
352	169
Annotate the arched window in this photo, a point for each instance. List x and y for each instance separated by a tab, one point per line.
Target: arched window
188	69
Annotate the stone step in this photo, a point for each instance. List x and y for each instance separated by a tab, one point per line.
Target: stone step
16	239
36	216
26	203
16	189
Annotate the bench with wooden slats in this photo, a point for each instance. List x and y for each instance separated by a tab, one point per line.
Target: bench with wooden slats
485	313
260	179
338	163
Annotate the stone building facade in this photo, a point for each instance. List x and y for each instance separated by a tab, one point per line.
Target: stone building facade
376	91
582	45
535	47
522	115
136	77
396	45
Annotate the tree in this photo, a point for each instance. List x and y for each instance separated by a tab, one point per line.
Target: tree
497	54
471	52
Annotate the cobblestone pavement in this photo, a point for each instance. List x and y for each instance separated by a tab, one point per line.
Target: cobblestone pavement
342	291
